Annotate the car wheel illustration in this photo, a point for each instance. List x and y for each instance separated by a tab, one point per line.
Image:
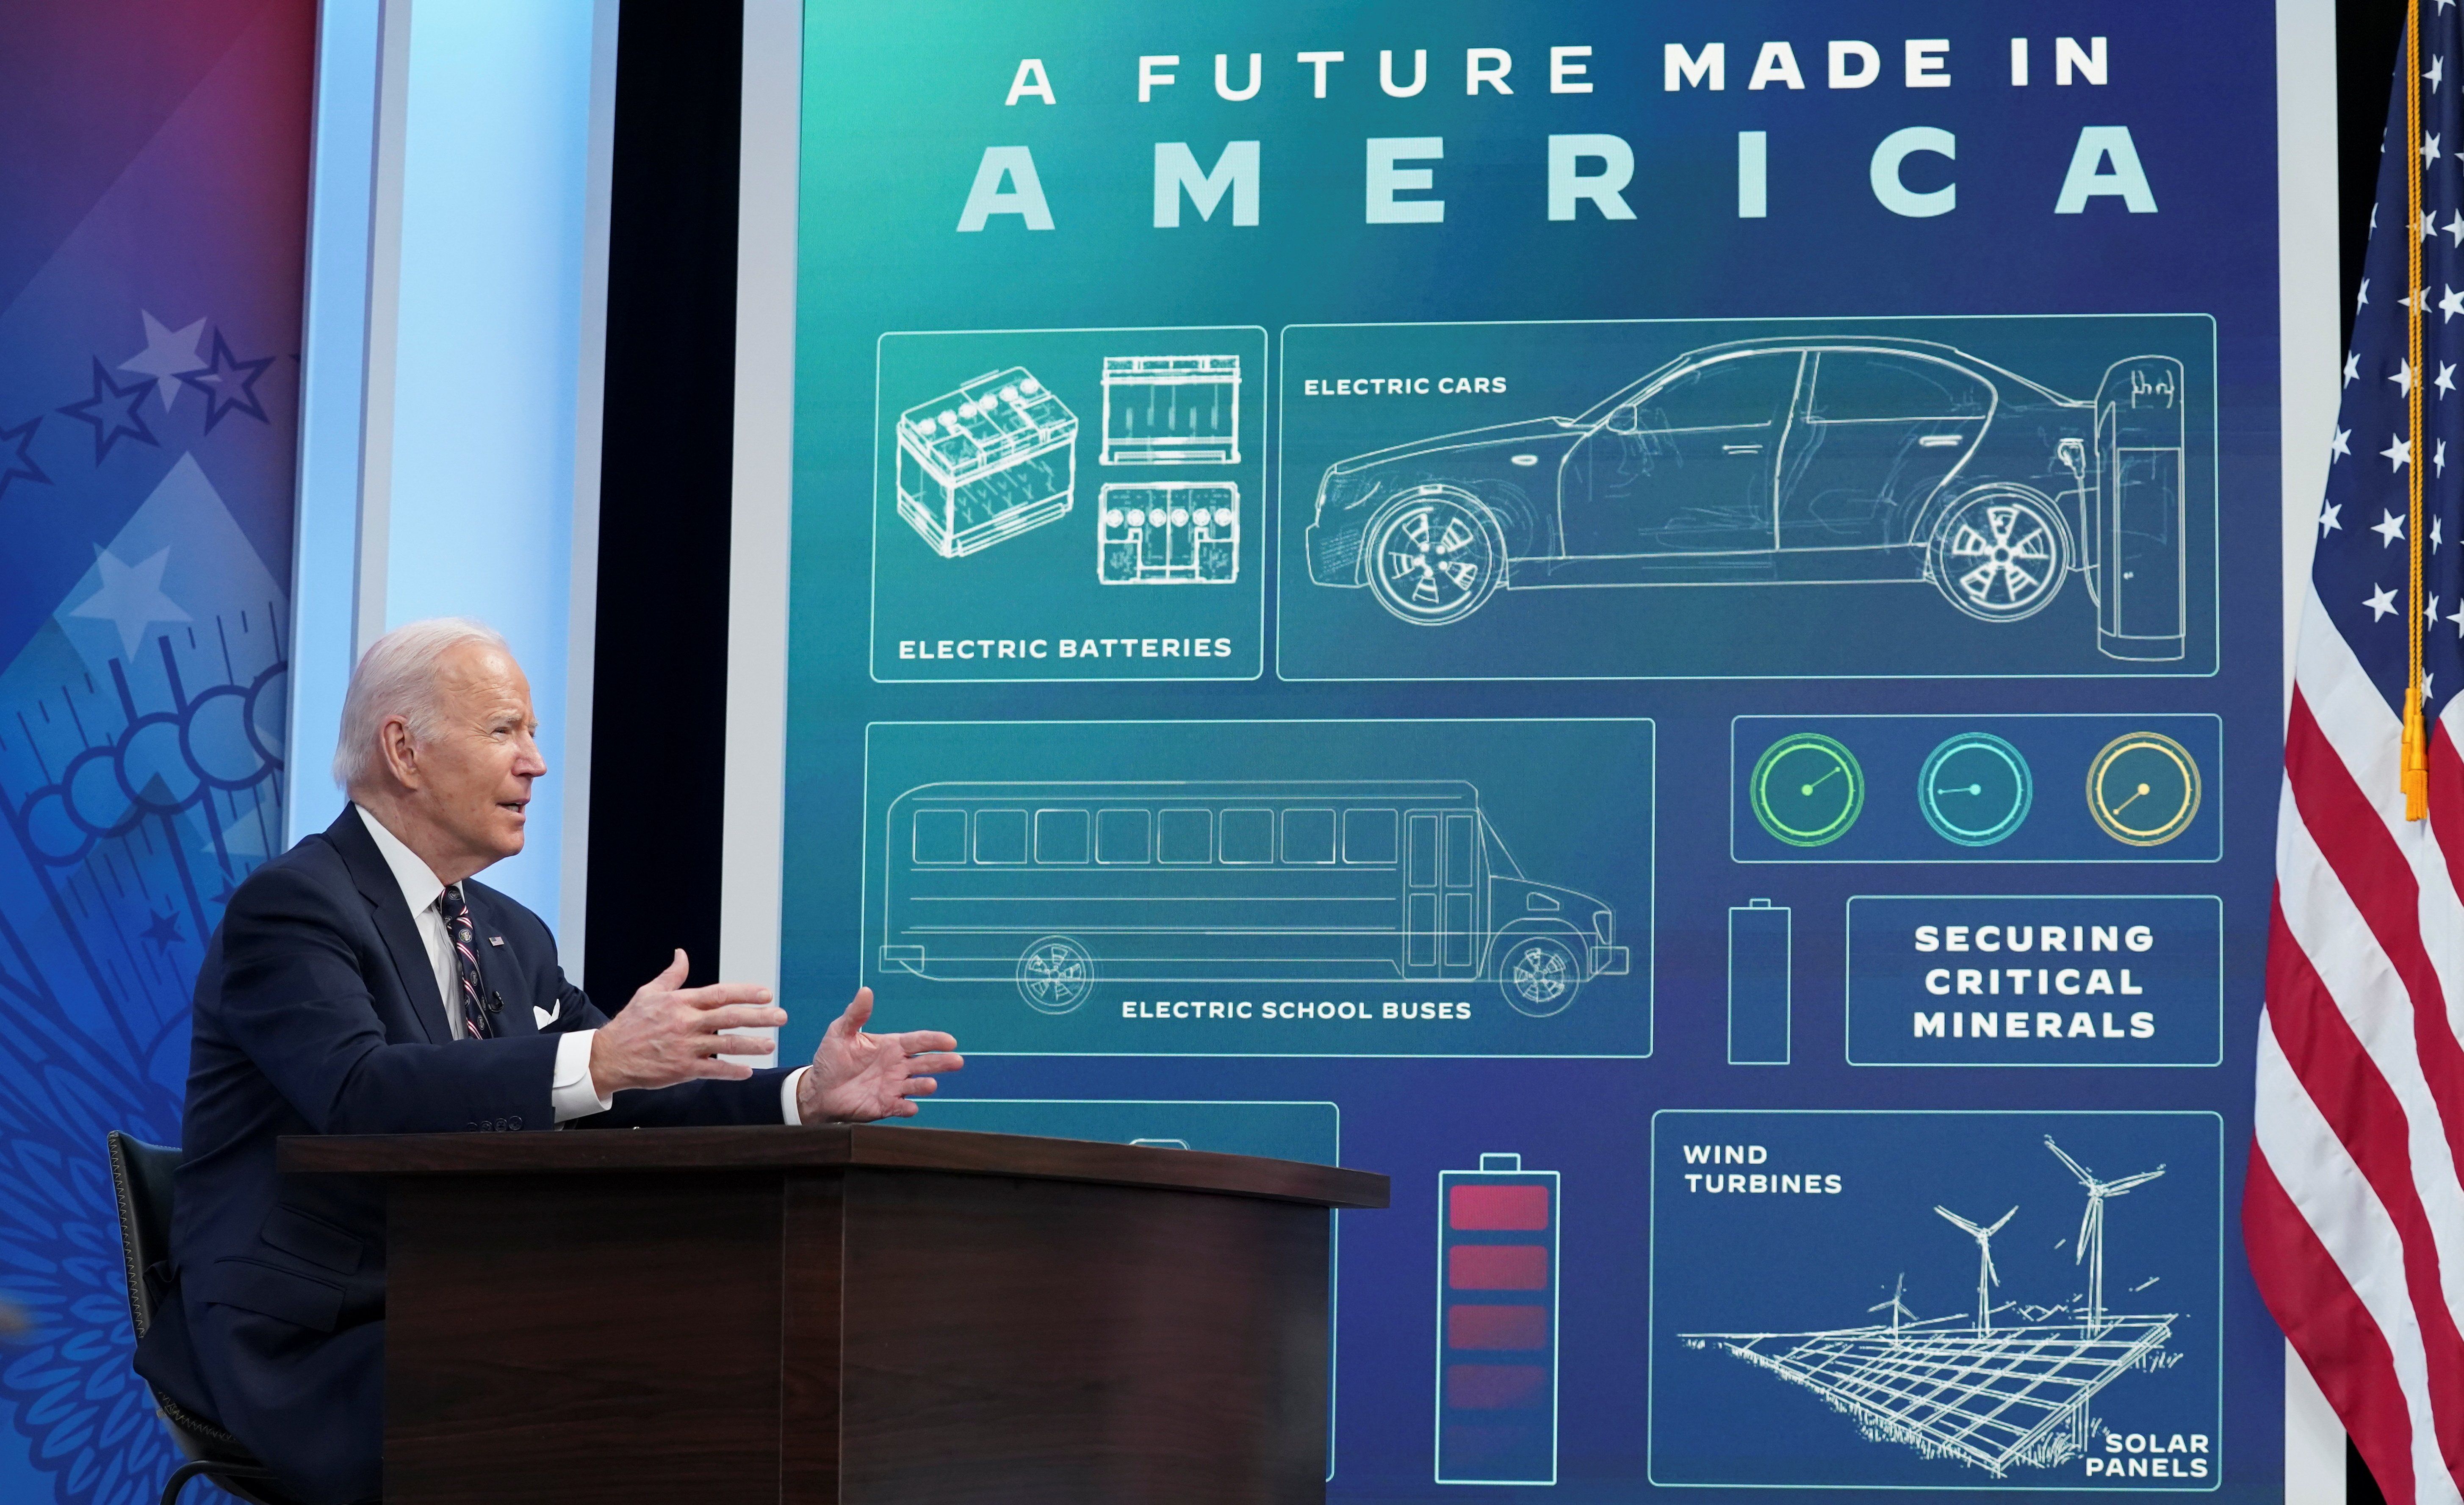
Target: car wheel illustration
1055	975
1434	557
1539	975
2000	555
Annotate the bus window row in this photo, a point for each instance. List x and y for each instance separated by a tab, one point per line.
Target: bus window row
1173	835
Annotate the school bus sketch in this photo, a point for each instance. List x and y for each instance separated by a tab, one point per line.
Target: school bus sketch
1056	885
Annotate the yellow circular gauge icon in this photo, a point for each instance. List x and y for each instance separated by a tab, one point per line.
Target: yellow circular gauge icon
2144	788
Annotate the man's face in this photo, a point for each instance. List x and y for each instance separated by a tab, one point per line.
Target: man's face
473	772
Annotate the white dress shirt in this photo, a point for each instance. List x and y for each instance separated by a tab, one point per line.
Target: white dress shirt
571	1091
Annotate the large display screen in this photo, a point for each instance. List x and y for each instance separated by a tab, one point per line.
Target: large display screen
1671	611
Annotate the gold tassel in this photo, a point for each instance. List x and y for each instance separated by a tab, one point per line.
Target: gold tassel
2416	758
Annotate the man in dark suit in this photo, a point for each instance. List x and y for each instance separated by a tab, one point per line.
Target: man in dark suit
360	983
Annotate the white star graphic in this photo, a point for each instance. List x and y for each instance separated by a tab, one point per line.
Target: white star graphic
2425	686
2403	377
2436	525
2438	463
2451	302
2380	604
2389	528
2446	382
2428	148
2363	301
2455	229
2411	299
2398	452
2429	226
2352	367
130	597
2429	616
2337	448
2437	71
166	354
2328	518
2456	616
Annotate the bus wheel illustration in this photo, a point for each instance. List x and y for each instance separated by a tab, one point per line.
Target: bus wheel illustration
1434	557
2000	555
1539	975
1055	975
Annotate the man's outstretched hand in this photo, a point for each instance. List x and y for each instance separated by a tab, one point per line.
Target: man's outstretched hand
856	1077
669	1033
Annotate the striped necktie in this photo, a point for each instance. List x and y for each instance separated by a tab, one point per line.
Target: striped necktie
456	911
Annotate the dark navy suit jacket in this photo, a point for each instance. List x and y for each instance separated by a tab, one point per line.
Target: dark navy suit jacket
318	1012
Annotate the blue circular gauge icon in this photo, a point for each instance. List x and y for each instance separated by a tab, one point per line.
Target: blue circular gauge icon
1975	789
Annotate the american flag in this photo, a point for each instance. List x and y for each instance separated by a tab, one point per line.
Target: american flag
2353	1211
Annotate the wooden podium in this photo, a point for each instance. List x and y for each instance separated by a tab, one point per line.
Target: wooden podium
847	1314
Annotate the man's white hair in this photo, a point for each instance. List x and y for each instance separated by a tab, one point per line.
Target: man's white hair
397	677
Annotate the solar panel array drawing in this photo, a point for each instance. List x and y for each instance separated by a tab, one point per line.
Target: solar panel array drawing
1997	1396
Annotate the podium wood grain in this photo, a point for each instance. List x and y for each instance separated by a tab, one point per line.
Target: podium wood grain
847	1314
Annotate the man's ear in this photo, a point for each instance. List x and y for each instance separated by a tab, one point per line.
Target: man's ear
400	752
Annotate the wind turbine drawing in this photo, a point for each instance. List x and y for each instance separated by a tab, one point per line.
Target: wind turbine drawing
1897	1307
1986	1278
2091	1239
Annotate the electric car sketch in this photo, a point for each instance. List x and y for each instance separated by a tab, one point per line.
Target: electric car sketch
1812	460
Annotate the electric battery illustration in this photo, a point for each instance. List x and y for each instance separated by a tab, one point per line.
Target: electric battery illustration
1172	409
986	462
1497	1324
1155	533
1758	984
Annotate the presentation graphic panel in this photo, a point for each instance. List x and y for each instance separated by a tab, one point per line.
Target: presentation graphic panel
1022	477
1979	980
1910	497
1975	788
1265	888
1937	1300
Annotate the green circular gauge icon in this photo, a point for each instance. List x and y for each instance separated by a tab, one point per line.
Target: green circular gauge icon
1975	789
1807	789
2144	788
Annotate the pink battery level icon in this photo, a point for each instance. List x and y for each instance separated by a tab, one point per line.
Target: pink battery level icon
1497	1324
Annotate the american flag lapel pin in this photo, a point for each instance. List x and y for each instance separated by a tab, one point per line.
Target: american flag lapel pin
495	941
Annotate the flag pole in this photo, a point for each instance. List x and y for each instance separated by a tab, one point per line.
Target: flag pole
2416	745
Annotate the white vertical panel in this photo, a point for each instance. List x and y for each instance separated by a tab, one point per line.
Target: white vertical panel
2307	279
479	469
581	628
765	432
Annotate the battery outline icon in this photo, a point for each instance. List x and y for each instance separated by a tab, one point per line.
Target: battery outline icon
1761	942
1496	1391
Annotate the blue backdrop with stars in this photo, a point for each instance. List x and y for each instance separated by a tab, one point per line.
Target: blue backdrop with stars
154	165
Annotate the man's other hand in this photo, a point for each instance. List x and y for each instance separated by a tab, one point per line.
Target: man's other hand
669	1033
857	1077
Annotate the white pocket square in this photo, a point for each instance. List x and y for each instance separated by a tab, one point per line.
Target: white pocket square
547	1016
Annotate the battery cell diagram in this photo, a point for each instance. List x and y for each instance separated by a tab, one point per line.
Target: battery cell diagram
996	457
1172	409
1159	532
1497	1324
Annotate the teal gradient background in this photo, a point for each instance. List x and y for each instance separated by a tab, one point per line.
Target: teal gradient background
901	106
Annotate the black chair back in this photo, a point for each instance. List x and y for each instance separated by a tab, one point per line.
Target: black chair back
140	1178
140	1181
